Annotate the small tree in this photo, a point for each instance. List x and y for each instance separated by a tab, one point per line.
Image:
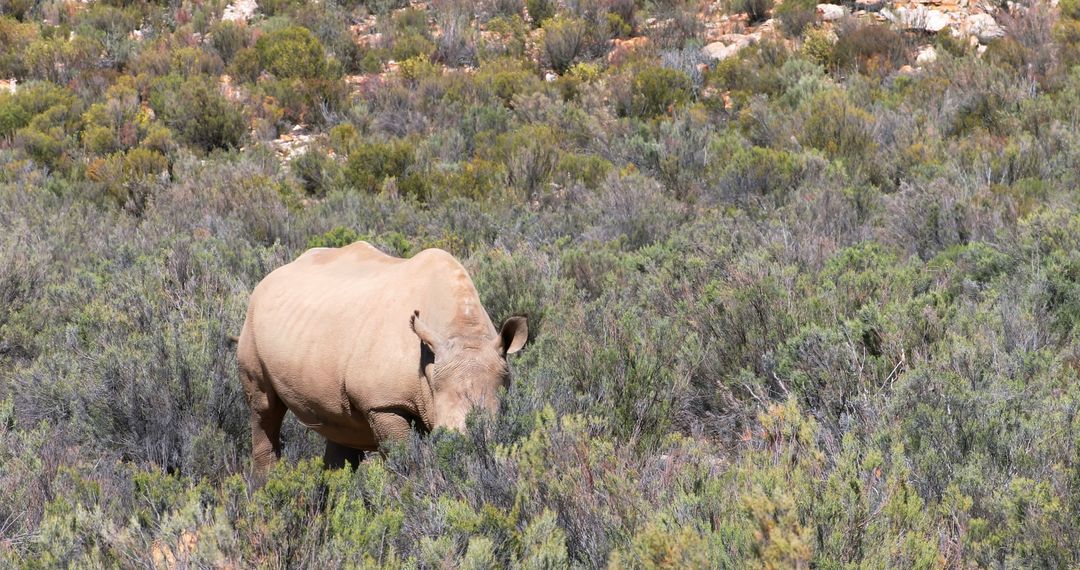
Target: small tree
202	116
292	52
564	41
656	89
540	11
755	10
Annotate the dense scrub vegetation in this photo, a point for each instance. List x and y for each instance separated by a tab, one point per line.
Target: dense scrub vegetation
799	307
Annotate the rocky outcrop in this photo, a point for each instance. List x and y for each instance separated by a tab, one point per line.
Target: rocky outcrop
239	11
927	54
984	27
919	18
831	12
727	46
621	50
292	144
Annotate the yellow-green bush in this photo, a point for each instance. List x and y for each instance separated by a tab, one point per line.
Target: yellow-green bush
292	52
657	90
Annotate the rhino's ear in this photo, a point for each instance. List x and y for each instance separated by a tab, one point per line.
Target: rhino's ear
514	333
435	341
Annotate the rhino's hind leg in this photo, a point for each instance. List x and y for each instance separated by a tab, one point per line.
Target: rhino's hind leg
337	456
267	412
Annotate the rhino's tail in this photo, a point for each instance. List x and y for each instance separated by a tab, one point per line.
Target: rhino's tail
232	339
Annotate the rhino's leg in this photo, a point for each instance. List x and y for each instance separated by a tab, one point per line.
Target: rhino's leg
337	456
388	426
267	412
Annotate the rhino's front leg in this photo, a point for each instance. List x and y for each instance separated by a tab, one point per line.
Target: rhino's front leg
388	426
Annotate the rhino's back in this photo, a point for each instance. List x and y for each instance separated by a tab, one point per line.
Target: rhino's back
330	331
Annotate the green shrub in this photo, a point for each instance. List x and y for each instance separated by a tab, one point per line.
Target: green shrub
13	116
748	174
45	147
417	68
280	7
196	110
507	77
510	37
15	38
589	169
340	236
411	45
228	38
839	128
411	20
410	36
564	41
129	178
540	11
317	171
477	179
796	15
657	90
18	9
372	60
663	544
1070	9
755	10
502	8
306	101
245	65
35	99
344	138
869	49
819	45
370	163
292	52
530	154
60	61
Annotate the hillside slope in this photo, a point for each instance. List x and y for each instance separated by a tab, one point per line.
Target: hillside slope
803	282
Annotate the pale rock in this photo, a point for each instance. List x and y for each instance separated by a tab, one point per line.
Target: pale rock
936	20
728	46
984	27
292	144
904	18
621	50
927	54
239	11
549	77
8	85
231	91
831	12
919	18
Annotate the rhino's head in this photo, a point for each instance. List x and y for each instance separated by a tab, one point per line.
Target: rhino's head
467	371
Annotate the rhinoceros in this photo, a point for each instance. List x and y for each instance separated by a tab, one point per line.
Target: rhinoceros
360	345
